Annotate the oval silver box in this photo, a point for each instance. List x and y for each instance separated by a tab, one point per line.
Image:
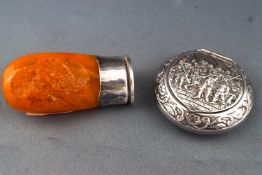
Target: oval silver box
203	92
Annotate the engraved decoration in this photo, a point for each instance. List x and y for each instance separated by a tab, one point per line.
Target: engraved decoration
206	87
203	92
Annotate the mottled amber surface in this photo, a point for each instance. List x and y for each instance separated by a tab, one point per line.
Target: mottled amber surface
52	82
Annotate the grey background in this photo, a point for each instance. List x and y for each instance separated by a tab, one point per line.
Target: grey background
134	139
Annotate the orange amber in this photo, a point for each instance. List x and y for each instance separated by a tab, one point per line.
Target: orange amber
43	83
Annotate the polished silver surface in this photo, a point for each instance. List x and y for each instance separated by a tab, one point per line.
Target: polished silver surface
203	92
116	80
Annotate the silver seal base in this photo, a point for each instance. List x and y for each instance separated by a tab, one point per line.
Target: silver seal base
116	80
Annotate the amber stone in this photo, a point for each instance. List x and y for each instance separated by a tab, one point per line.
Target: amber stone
44	83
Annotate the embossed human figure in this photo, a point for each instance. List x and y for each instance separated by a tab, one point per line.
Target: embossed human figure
206	88
235	89
203	68
194	79
222	93
231	92
180	71
186	70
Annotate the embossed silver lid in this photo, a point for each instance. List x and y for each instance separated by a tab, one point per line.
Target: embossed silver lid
203	92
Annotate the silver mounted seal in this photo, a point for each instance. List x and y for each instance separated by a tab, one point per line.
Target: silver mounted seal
116	80
203	92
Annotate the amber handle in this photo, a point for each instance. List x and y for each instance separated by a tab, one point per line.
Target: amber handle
44	83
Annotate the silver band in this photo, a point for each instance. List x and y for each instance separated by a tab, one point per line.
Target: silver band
116	80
